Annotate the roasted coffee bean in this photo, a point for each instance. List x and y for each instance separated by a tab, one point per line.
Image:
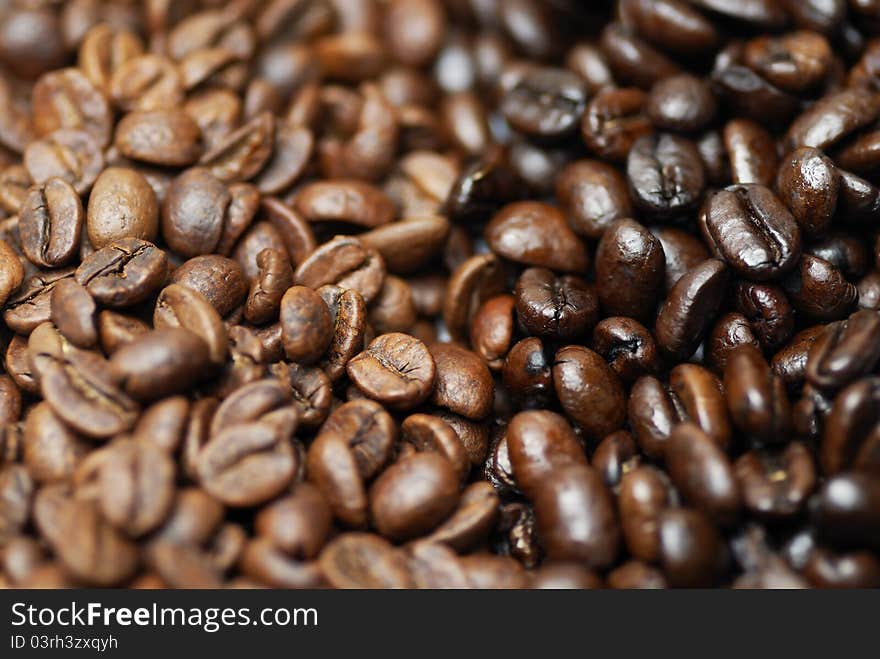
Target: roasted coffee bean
349	322
244	152
116	329
219	279
354	444
850	437
72	155
477	279
576	518
545	103
463	383
845	351
682	103
593	195
306	324
665	175
73	313
431	434
702	473
630	267
832	118
346	262
539	443
267	290
160	363
683	318
790	363
11	272
817	289
633	60
395	369
194	212
123	273
163	423
349	201
50	450
755	396
754	233
589	391
846	510
682	250
616	455
768	311
78	385
249	463
168	137
413	495
691	552
752	152
534	233
700	395
363	560
178	306
493	328
31	306
409	245
527	371
644	494
730	332
776	483
121	205
808	184
748	94
563	307
50	222
627	346
67	99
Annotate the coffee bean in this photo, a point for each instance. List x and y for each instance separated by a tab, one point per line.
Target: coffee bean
627	346
306	324
124	272
563	307
413	495
122	205
344	261
395	369
665	175
178	306
644	494
73	313
691	552
702	473
755	396
682	320
217	278
575	517
751	229
536	234
546	103
362	560
69	154
776	484
682	103
593	195
161	137
849	438
817	289
78	385
248	463
50	222
492	330
589	391
463	384
630	266
160	363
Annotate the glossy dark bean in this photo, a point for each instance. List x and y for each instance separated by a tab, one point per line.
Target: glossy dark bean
691	552
645	492
684	317
702	473
776	484
819	290
589	391
463	383
808	184
665	175
614	120
755	396
754	233
630	268
683	103
845	351
545	103
850	437
593	195
627	346
575	517
563	307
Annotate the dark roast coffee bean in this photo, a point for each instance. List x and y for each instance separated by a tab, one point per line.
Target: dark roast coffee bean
751	229
589	391
665	175
776	483
545	103
534	233
755	396
683	319
306	324
614	120
630	266
627	346
818	289
560	307
845	351
593	195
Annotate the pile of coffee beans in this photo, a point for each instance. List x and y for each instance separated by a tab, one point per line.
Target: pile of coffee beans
440	293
